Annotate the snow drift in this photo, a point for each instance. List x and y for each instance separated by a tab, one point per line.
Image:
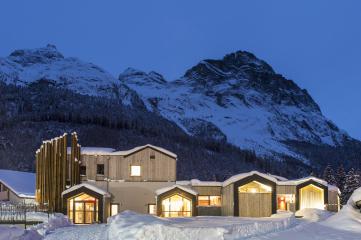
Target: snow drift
130	225
349	217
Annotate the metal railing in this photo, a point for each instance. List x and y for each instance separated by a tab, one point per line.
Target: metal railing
17	213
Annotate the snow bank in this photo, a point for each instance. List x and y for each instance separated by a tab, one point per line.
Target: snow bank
130	225
349	217
313	214
57	220
13	232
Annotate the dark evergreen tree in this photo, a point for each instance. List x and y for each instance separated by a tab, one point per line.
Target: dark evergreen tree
329	175
351	184
340	178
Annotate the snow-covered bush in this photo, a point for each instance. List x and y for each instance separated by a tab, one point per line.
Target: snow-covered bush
349	217
55	221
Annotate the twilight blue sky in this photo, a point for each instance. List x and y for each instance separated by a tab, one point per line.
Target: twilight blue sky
316	43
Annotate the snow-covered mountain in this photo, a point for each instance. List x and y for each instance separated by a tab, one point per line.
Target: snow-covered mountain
27	66
241	99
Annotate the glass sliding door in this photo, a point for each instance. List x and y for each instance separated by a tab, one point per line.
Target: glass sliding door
176	206
83	209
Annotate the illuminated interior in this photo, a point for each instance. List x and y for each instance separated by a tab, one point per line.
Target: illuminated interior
176	206
284	200
255	187
311	196
135	171
83	209
209	200
114	209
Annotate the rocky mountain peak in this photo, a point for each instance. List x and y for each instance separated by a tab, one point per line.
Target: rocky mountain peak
239	63
27	57
135	76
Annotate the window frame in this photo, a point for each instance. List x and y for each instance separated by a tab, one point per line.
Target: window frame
131	171
111	208
155	208
101	174
209	200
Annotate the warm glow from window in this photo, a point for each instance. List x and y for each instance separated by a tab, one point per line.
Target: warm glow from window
135	171
152	209
255	187
209	200
114	209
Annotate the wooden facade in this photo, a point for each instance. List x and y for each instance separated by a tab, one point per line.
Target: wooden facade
55	172
155	166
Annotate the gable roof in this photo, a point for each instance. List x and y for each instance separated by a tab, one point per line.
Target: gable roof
136	149
240	176
21	183
88	186
93	150
302	180
166	189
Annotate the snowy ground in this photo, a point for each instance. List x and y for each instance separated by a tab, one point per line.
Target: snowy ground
314	225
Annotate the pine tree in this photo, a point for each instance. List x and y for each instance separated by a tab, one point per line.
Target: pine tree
351	184
329	176
340	181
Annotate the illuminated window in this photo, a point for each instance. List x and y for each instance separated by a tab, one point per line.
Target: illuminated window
255	187
135	171
176	206
209	200
152	209
114	209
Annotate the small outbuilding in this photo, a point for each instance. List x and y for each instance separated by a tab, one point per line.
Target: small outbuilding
17	187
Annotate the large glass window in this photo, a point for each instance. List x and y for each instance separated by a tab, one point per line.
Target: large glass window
209	200
255	187
176	206
311	196
83	209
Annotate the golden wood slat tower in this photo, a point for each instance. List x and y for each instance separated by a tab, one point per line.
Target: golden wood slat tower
55	171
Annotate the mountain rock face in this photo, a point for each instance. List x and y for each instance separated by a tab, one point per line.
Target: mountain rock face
239	99
222	117
47	65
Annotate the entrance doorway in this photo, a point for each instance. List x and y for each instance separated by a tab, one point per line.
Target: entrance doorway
312	196
83	209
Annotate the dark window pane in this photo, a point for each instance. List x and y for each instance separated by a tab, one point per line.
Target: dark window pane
82	170
100	169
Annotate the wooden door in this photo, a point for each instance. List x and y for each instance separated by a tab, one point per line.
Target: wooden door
255	204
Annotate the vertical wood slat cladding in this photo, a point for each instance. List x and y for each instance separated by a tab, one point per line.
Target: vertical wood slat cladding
208	190
227	200
52	170
255	204
158	169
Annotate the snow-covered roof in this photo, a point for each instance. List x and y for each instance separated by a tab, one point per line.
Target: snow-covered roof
128	152
196	182
93	150
21	183
240	176
302	180
166	189
334	188
88	186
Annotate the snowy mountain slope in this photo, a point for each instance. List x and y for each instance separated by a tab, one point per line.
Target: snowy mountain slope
24	67
241	99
